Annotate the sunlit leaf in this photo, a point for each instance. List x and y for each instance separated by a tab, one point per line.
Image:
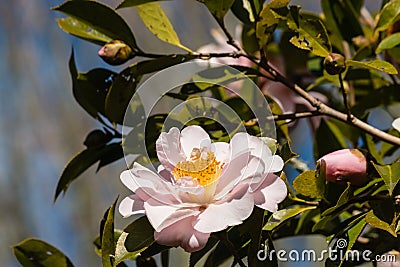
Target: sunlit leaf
389	42
280	216
77	28
107	240
130	3
374	221
309	185
390	174
33	252
388	15
377	64
155	19
100	18
267	23
218	8
310	35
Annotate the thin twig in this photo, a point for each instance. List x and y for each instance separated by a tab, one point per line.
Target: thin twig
287	116
231	41
344	95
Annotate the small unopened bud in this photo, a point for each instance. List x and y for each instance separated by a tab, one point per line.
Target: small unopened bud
334	64
346	165
115	52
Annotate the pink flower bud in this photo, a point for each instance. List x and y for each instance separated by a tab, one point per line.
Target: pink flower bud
115	52
345	165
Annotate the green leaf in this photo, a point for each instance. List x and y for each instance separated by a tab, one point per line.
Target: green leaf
242	10
376	64
388	15
390	175
342	20
155	19
107	240
140	235
309	185
374	221
310	35
90	89
328	138
343	199
100	18
79	163
33	252
218	8
286	152
124	86
130	3
281	216
389	42
77	28
267	23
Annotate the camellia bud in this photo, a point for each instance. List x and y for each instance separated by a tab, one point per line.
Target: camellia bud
115	52
334	64
345	165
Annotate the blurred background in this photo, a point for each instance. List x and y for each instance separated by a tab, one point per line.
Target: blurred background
42	126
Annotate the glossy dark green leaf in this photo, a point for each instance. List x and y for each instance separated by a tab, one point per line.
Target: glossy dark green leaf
218	8
309	185
79	163
286	152
390	174
98	138
33	252
90	89
99	17
155	19
97	240
243	11
82	30
343	199
342	19
249	39
198	255
389	42
130	3
114	153
388	15
107	240
310	34
281	216
376	64
374	221
140	235
123	88
328	138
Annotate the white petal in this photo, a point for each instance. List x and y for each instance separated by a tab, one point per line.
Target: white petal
168	148
193	136
130	206
222	151
128	180
271	192
273	164
239	144
218	216
157	212
396	124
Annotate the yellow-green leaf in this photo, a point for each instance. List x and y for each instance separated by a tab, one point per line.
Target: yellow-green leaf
282	215
389	42
218	8
390	175
309	185
374	221
155	19
388	15
377	64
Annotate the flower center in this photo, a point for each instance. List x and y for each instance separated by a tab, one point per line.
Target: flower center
202	167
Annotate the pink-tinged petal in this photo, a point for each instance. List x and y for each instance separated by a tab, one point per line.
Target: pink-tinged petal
232	174
239	144
221	151
231	210
273	164
165	174
270	193
182	234
128	180
168	149
177	216
131	205
193	136
158	212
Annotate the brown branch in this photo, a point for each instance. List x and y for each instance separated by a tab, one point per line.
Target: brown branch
287	116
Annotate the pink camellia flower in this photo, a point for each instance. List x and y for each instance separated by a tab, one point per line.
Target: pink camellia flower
396	124
345	165
202	187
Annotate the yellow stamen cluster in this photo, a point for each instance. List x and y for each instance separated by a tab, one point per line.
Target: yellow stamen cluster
202	167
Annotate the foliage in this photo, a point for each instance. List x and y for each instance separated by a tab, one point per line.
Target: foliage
367	80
